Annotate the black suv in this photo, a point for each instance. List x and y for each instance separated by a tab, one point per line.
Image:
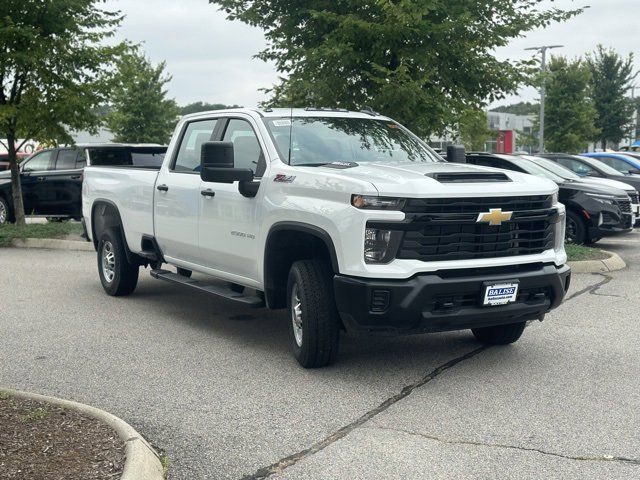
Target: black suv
592	211
52	179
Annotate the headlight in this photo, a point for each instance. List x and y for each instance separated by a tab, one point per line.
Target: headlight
560	229
377	203
380	245
610	199
554	198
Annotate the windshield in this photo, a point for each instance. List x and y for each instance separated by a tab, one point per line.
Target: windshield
320	140
537	170
556	168
603	167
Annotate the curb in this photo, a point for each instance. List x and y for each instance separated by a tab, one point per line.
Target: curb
141	460
611	264
53	244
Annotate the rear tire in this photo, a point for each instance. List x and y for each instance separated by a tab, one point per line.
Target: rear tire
500	334
314	326
576	229
117	275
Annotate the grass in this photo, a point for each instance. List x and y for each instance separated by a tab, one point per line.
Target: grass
580	252
36	414
9	232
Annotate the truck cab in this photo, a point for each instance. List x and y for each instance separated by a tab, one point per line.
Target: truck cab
345	219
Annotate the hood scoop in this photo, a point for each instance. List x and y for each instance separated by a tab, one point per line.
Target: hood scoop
469	177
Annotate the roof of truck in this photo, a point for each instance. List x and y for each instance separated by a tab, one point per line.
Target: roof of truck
296	112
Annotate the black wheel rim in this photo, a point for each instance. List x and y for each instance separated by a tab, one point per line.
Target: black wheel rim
572	230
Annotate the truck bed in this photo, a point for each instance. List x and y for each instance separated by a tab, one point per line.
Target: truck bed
131	190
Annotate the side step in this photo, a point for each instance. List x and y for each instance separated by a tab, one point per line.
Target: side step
251	301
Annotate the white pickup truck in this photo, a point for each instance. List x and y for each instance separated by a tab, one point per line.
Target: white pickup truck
346	219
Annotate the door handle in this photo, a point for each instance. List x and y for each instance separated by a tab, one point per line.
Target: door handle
207	193
162	188
41	179
76	177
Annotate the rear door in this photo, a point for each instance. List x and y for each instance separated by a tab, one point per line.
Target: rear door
177	195
64	184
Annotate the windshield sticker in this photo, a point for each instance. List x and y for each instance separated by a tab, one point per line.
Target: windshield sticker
282	123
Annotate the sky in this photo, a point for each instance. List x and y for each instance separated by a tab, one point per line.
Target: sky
211	58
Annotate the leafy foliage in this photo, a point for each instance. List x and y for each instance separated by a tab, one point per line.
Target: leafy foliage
422	62
570	114
54	72
141	111
611	78
474	129
520	108
204	107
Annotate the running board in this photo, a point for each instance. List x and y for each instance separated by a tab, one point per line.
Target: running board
251	301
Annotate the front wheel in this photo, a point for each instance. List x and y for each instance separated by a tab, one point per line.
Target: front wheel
499	334
576	231
118	276
5	212
313	319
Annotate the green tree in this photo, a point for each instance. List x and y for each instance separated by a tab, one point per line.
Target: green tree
473	127
423	62
570	114
204	107
54	73
611	77
520	108
141	111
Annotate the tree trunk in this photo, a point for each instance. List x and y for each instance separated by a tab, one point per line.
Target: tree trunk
603	144
16	186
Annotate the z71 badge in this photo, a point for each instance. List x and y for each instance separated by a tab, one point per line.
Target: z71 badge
282	178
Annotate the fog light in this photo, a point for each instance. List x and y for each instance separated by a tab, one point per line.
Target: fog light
376	245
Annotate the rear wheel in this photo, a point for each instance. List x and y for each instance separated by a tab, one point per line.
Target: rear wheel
313	319
576	229
500	334
118	276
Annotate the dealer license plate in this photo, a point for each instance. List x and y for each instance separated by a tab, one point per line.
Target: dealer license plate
500	293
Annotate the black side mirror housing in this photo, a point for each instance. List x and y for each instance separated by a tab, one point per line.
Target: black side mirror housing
456	154
634	171
217	165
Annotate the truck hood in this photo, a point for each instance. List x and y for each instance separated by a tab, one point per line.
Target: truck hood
412	179
606	182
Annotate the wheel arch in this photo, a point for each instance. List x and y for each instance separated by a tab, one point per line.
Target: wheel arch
286	243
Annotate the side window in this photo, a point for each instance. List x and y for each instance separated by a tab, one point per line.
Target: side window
81	161
616	163
66	159
246	149
196	133
40	162
578	167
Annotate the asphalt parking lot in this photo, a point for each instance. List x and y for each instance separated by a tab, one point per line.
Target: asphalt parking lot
214	386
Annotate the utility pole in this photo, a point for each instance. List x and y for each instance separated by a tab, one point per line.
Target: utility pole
543	67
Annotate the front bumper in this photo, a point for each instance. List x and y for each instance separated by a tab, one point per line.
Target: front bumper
609	224
448	300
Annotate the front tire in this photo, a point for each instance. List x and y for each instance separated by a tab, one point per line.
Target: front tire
500	334
117	275
314	327
576	229
6	215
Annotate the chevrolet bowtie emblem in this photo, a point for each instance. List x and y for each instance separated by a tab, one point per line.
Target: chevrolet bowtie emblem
495	216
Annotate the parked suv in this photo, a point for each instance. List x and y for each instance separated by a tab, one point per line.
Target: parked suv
592	211
51	179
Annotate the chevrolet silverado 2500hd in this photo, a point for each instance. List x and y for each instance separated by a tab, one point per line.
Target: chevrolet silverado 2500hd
346	219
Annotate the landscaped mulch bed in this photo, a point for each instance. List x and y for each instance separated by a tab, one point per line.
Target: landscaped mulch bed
39	441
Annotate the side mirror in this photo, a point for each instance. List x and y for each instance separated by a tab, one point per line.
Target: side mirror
634	171
593	173
456	154
216	164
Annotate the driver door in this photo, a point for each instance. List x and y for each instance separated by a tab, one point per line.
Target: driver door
229	221
33	179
